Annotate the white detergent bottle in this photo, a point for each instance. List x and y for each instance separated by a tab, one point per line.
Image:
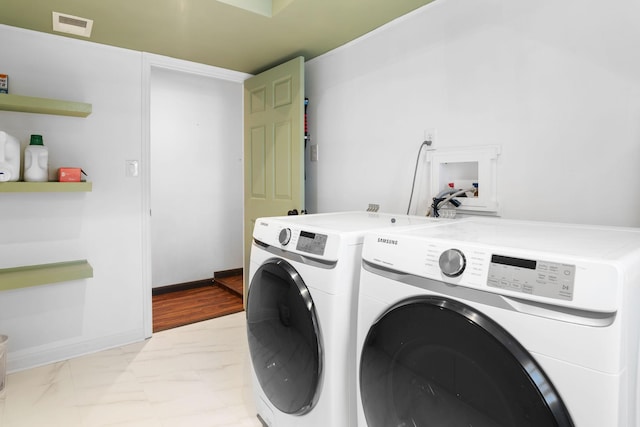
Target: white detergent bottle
36	160
9	157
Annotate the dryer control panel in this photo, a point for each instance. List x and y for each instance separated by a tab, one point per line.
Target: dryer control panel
303	241
313	243
307	241
542	278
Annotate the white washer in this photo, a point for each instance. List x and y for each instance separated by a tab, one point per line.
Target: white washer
500	323
301	313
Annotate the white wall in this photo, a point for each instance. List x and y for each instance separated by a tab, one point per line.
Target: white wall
109	226
55	321
196	176
555	84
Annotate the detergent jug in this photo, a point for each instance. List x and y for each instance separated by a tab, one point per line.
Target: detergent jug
36	160
9	157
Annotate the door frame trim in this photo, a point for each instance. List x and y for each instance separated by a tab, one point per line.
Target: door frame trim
152	61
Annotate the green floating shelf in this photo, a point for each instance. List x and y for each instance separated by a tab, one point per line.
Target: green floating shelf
44	187
29	104
34	275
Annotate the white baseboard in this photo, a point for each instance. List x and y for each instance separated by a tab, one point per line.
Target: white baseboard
56	352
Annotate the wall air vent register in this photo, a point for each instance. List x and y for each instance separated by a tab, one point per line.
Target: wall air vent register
72	24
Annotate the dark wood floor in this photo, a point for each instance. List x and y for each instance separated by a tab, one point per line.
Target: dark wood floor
232	283
182	307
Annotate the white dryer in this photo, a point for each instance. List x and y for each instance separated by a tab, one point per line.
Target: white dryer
500	323
301	313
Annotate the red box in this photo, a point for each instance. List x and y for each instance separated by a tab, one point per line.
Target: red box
69	174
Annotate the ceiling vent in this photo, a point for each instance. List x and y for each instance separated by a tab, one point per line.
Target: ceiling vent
72	24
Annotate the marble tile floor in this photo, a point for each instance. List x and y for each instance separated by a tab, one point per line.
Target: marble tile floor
195	375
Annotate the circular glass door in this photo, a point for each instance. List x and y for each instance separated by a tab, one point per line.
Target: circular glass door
437	362
284	337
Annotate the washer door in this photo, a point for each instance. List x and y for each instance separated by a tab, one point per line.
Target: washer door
284	337
437	362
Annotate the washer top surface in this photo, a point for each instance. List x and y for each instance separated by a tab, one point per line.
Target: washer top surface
350	222
584	241
323	235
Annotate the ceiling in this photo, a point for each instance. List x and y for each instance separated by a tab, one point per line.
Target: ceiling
215	32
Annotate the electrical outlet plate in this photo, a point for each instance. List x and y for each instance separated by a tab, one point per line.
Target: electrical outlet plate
430	134
131	168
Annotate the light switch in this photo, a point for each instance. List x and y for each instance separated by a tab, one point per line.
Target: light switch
314	152
131	168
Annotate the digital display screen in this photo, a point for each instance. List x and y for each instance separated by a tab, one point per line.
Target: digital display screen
308	235
514	262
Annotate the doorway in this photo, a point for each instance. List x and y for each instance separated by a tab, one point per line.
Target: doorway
192	143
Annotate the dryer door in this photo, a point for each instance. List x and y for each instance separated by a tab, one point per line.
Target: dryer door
434	361
284	337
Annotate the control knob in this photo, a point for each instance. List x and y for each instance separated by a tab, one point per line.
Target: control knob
285	236
452	262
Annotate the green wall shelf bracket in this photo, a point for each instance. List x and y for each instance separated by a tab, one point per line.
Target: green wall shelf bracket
29	104
34	275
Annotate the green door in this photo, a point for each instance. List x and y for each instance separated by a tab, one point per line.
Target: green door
273	146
